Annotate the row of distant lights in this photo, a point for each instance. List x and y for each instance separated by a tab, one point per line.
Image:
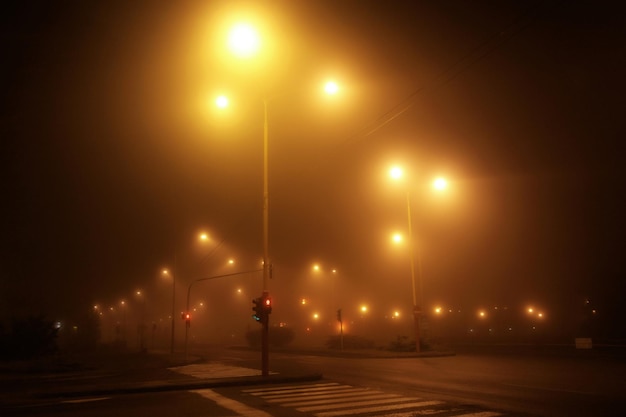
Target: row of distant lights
483	313
100	310
438	311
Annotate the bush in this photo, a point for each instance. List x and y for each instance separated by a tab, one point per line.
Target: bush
28	338
277	337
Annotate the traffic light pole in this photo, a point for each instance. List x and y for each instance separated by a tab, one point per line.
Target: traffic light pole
262	307
266	257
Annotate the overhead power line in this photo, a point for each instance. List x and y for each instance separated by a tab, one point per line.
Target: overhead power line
485	48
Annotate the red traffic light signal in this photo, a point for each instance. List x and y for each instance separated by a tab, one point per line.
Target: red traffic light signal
267	305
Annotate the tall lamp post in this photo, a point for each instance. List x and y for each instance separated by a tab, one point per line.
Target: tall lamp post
396	173
244	42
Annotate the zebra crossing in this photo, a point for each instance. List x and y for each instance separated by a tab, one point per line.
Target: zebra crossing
333	399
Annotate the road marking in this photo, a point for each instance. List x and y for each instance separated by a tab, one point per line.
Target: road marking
289	388
335	399
378	409
425	412
236	406
85	400
354	404
339	400
342	392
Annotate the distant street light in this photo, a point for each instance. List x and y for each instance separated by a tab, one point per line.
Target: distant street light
142	324
166	272
123	308
397	173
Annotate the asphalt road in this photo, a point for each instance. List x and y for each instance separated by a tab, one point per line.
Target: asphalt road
476	381
544	382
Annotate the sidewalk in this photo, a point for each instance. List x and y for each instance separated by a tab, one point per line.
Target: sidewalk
98	375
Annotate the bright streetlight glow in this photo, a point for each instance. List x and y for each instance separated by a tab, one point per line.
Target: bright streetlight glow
203	237
316	316
221	102
331	88
316	267
243	40
231	261
396	238
364	309
396	172
440	184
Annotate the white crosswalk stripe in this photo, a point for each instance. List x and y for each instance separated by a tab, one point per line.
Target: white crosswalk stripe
332	399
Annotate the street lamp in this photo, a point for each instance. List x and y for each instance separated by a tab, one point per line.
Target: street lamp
142	324
166	272
397	173
123	308
244	42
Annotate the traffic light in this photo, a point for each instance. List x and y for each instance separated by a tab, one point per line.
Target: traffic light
257	307
267	305
262	307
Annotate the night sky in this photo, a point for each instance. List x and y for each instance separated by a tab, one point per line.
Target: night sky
114	159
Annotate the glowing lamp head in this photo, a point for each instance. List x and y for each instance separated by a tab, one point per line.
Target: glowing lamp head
396	173
221	102
243	40
440	184
331	88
